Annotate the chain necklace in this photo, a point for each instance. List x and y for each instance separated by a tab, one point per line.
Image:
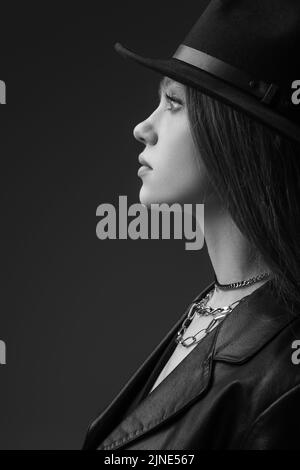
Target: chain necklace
248	282
200	308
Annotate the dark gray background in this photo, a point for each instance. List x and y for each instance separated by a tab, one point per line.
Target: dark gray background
79	315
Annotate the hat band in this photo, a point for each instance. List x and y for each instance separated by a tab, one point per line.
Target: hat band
258	88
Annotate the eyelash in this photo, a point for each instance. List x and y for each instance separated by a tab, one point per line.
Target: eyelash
173	100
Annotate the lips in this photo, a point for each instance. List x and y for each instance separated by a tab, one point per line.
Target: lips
143	161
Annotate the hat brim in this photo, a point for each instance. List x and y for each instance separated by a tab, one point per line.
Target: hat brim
217	88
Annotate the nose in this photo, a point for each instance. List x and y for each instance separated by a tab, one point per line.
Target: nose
144	132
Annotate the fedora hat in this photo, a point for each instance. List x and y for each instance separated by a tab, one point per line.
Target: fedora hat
245	53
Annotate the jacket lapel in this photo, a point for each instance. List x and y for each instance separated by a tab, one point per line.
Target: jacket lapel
252	324
110	417
242	334
186	383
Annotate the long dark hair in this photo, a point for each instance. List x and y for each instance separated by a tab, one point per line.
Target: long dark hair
256	172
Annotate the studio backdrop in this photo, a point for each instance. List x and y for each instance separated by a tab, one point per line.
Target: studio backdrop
79	314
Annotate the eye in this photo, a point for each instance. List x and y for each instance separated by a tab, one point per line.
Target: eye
176	103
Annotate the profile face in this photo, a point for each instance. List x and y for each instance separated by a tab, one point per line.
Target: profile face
177	173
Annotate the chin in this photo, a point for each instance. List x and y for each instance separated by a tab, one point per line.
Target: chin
190	195
147	198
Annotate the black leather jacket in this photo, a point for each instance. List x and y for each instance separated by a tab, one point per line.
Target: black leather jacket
237	389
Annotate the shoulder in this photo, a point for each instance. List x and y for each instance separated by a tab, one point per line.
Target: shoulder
275	421
277	426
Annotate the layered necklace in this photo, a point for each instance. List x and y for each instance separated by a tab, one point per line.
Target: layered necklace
200	308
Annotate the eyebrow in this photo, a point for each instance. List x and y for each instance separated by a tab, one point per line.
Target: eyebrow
164	83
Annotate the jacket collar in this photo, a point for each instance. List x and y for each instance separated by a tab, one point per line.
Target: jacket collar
252	323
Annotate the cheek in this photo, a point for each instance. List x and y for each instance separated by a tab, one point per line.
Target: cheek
181	173
183	162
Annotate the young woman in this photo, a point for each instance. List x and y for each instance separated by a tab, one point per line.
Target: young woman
225	134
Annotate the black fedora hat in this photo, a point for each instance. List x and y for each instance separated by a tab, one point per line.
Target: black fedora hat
245	53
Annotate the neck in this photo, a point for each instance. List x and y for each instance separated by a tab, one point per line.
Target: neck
231	255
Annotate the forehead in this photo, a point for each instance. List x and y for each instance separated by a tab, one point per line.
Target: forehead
166	82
